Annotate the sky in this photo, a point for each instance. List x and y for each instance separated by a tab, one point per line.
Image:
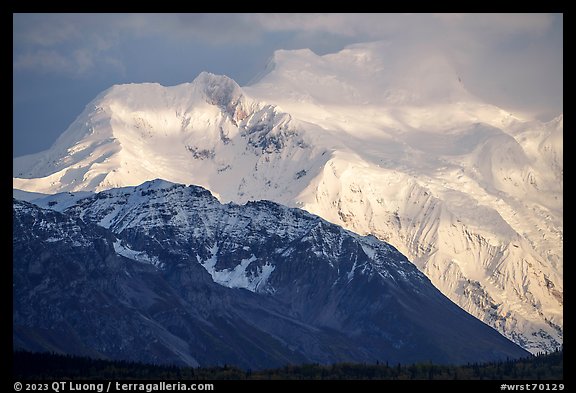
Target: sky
63	61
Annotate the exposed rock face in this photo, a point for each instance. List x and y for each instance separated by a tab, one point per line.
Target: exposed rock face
165	273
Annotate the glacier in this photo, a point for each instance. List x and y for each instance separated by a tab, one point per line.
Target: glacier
379	144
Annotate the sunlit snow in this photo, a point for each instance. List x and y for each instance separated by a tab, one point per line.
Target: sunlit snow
382	145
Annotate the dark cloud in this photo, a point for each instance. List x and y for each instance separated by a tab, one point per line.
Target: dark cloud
512	60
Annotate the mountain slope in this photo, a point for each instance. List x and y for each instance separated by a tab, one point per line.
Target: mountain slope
171	275
468	192
366	139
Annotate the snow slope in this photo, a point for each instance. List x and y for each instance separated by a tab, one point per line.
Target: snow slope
165	273
472	194
367	139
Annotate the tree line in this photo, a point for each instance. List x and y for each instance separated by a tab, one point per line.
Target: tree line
40	366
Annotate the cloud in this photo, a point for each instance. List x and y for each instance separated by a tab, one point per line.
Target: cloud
220	28
498	24
424	26
47	60
103	32
64	44
81	44
77	63
44	30
506	56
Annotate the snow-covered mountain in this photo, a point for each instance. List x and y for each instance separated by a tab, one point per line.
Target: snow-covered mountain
166	273
366	139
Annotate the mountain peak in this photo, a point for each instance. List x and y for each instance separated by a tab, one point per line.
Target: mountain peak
218	89
373	73
371	138
157	184
257	282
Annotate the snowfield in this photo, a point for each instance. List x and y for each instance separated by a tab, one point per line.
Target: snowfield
379	144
